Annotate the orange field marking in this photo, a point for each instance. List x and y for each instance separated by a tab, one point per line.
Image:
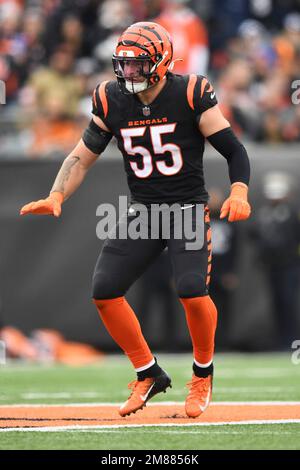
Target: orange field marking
16	417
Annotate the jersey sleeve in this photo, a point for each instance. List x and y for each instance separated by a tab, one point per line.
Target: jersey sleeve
207	96
200	94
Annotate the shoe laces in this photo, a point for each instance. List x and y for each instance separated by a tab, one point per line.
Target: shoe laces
139	385
198	386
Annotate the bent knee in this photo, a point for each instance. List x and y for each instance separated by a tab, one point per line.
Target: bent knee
191	285
103	287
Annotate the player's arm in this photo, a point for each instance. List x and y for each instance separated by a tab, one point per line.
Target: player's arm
217	130
73	170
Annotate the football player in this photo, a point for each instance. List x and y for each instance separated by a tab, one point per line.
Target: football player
160	121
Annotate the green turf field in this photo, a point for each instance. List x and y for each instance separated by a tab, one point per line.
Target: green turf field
264	377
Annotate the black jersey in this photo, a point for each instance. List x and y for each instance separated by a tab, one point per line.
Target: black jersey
161	143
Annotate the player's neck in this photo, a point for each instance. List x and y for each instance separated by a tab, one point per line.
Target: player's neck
149	95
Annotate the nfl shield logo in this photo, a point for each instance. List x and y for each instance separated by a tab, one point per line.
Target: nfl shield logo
146	111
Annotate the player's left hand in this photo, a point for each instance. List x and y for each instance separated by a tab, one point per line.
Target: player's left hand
236	207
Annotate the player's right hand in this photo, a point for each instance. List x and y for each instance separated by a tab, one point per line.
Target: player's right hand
49	206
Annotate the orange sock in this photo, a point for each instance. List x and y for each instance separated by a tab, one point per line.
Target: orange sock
123	326
201	316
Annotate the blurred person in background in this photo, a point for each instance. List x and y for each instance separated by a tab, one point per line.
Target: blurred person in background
287	44
51	99
255	87
224	279
277	111
32	31
190	38
146	9
53	131
113	17
243	82
86	72
10	76
11	47
58	78
234	88
277	235
170	116
70	33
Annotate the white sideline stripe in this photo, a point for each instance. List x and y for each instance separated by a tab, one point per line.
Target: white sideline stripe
198	431
254	373
222	371
163	425
218	389
158	403
35	395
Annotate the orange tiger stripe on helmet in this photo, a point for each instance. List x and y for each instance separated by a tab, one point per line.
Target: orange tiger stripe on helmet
154	30
144	43
146	37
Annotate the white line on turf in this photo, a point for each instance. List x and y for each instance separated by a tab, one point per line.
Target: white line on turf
69	395
172	393
163	425
198	431
36	395
256	373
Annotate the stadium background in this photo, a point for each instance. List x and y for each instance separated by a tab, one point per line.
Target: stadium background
52	54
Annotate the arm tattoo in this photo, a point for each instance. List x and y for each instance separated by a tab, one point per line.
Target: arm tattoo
64	174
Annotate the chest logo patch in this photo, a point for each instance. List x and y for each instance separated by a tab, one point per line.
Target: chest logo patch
146	111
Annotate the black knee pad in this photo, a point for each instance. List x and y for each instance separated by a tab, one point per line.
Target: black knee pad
103	287
191	285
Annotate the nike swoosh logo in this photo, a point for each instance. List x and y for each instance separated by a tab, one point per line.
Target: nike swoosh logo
144	397
187	207
212	95
203	408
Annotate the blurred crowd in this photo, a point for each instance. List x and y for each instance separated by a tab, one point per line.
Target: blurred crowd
54	52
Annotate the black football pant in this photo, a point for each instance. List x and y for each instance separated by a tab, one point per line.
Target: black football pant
123	261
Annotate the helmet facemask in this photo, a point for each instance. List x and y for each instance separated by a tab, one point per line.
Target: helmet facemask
136	74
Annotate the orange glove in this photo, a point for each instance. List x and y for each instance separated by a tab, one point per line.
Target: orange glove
237	205
51	205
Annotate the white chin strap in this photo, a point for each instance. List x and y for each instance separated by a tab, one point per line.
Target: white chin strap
136	87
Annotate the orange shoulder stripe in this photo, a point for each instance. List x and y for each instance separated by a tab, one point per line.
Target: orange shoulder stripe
203	85
94	98
190	90
103	97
